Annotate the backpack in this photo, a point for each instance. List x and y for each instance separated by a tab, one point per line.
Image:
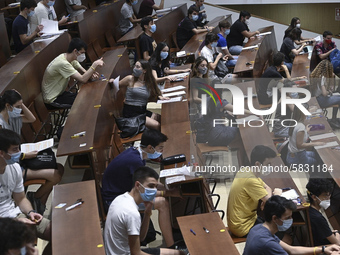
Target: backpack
335	60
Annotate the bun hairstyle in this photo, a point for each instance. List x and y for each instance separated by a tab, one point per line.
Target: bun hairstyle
9	97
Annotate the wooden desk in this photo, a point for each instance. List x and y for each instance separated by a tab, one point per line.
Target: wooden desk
166	26
213	243
301	66
76	231
259	57
196	43
5	51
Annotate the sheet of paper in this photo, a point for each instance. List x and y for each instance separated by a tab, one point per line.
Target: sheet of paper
185	170
52	37
180	54
318	38
50	26
172	89
174	179
39	146
177	93
290	194
116	87
171	100
322	136
336	94
330	144
180	75
250	47
246	119
265	33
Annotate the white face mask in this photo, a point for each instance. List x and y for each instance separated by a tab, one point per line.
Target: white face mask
247	22
325	203
298	25
81	57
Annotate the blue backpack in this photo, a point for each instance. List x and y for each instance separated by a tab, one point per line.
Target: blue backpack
335	60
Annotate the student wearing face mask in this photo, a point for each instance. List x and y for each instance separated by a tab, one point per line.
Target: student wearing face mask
127	18
222	46
202	15
74	7
118	177
141	87
59	72
199	74
45	10
160	63
187	28
326	47
146	42
319	192
21	32
238	31
278	217
295	22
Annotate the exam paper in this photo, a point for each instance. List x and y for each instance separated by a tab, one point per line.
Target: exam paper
330	144
39	146
322	136
185	170
290	194
172	89
171	100
174	179
265	33
116	87
180	53
177	93
50	26
250	47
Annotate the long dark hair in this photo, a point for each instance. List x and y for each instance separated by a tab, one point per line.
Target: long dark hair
9	97
156	55
195	71
150	81
295	34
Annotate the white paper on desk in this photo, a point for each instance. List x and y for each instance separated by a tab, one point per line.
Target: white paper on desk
250	47
172	89
177	93
174	179
115	87
265	33
246	119
50	26
330	144
290	194
14	4
184	170
318	38
46	38
39	146
180	75
180	54
336	94
317	111
322	136
171	100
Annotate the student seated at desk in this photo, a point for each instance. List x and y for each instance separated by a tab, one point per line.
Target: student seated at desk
74	7
117	177
199	72
147	6
22	35
146	42
160	63
246	191
202	15
295	22
208	52
300	151
326	47
13	113
322	81
141	88
14	203
278	217
123	228
288	48
187	28
222	46
127	18
238	31
59	72
319	193
16	238
45	10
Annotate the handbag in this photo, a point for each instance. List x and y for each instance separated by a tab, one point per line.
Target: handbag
44	160
132	126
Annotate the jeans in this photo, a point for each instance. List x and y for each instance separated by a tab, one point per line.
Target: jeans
302	158
235	50
231	62
289	66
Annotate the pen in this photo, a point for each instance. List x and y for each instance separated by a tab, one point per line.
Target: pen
68	16
192	231
73	206
76	136
206	230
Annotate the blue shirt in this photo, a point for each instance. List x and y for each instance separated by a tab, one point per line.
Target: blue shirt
260	241
222	42
19	27
117	177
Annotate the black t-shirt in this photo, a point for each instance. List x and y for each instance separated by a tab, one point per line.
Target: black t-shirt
19	27
320	227
286	48
236	37
268	75
288	30
145	8
184	31
147	43
160	69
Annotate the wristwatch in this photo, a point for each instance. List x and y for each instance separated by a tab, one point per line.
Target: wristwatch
323	248
28	214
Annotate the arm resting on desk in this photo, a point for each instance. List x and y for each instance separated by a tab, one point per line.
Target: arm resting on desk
302	145
248	34
299	250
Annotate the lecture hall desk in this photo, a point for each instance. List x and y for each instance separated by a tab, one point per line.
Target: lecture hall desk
301	66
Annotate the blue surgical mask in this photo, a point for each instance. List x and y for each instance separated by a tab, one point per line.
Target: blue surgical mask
194	17
153	28
286	225
227	32
154	155
214	44
203	70
23	251
30	14
15	113
149	194
134	2
15	158
164	55
50	3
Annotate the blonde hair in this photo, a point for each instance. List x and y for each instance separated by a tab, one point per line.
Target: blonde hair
323	69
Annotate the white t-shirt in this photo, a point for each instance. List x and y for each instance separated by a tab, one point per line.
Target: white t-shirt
41	12
124	22
318	91
10	181
209	55
300	127
123	220
70	10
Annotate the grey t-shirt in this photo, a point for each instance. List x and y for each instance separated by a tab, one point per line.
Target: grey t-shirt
73	13
124	22
15	124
